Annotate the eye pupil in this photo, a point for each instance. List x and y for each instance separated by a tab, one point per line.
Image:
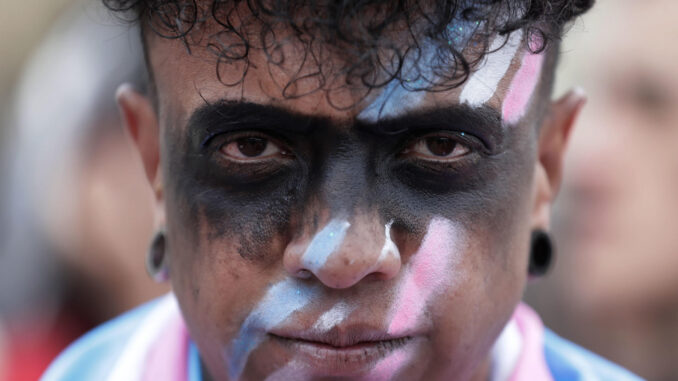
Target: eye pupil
440	145
252	146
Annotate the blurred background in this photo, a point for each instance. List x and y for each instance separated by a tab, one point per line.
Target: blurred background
614	287
76	208
76	216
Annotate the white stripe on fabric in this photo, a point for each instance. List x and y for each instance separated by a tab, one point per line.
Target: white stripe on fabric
130	364
506	352
92	356
483	83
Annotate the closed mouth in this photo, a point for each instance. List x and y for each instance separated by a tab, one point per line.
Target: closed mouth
341	352
346	345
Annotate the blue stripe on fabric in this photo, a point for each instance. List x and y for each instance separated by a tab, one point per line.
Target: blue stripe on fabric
194	371
92	356
570	362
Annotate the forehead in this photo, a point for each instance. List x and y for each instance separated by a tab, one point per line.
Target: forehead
188	76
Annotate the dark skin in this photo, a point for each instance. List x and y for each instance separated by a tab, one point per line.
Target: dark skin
245	179
268	194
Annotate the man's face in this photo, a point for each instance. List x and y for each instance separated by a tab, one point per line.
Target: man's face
308	240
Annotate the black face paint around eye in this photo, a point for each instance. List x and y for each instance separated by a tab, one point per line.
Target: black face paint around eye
335	169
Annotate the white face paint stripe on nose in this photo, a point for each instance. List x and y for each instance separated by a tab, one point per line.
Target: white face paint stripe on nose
326	242
483	83
389	245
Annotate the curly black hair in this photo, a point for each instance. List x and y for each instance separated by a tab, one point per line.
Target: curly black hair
417	42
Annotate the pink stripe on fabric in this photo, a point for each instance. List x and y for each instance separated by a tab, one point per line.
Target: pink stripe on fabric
532	363
167	359
522	87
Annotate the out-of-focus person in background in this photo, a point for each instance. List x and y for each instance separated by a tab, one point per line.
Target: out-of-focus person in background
77	210
615	287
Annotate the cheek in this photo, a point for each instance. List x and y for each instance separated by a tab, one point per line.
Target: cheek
434	264
207	207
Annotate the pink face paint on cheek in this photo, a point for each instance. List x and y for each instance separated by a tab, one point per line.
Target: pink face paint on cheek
429	268
522	86
291	371
387	368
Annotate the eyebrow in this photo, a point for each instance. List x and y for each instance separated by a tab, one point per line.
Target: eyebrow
229	116
484	122
457	116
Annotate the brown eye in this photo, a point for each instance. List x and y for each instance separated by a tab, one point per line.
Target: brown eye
438	147
251	148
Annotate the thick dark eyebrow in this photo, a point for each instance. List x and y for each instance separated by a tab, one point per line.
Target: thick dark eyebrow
224	116
484	122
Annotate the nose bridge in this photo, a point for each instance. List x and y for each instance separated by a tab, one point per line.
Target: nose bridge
346	250
345	182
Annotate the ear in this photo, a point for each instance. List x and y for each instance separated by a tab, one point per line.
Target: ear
141	124
553	137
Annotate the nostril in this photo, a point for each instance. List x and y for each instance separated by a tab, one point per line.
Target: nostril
303	274
341	254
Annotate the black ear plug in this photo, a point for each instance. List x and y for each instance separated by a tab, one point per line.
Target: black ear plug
541	253
156	258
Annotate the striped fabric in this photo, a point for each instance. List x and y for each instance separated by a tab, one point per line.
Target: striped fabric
151	343
147	343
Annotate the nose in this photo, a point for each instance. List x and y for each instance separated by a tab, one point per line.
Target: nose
344	252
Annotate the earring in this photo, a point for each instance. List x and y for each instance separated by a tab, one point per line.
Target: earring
541	253
156	258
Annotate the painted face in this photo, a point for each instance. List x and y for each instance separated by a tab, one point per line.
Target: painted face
385	241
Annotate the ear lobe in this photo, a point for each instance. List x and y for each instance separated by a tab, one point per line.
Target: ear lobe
553	138
141	123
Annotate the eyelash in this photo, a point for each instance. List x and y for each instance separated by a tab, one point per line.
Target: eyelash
469	141
219	142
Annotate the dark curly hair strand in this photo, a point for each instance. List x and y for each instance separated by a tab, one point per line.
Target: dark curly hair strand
418	43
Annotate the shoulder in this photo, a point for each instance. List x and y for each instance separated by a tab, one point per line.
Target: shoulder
93	355
568	361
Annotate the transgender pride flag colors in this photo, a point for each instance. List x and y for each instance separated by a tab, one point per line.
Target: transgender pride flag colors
151	343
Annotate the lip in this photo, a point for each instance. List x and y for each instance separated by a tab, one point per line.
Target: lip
342	351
